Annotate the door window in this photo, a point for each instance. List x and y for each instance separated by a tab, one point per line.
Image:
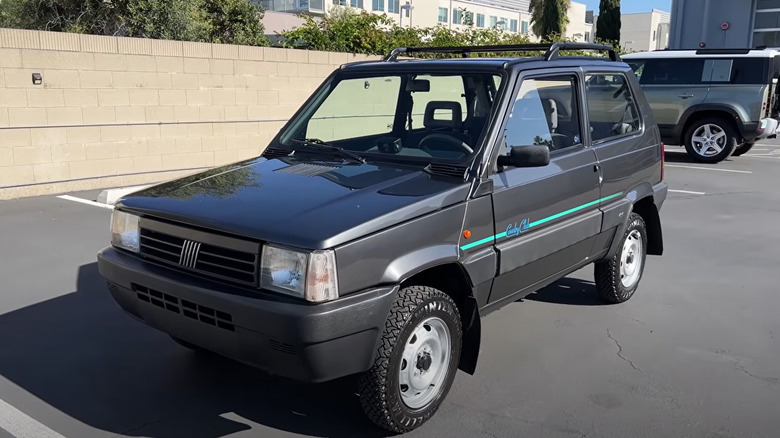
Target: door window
545	112
611	108
670	71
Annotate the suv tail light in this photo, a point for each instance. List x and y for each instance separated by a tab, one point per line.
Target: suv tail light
663	160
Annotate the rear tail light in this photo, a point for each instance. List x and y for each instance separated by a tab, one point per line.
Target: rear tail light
663	160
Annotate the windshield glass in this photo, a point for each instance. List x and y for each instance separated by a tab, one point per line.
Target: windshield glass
404	116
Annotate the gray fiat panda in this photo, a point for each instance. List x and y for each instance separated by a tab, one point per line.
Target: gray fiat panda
405	200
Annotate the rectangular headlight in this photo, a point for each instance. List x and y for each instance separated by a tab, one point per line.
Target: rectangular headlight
124	231
307	275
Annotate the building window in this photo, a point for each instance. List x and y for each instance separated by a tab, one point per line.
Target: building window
393	6
493	21
378	5
480	20
513	25
587	37
524	27
457	16
767	23
654	35
442	15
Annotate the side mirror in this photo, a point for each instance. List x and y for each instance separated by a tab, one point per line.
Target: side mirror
526	156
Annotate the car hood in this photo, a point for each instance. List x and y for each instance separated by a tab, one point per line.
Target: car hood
298	202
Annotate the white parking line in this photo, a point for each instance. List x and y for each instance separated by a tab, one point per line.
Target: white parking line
20	425
708	168
687	192
85	201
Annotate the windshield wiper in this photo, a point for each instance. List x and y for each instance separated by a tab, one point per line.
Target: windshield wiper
317	144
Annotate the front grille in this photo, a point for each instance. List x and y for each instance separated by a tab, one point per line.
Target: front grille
203	258
186	308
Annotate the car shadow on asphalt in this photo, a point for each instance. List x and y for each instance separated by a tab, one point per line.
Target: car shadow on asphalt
569	291
81	354
678	155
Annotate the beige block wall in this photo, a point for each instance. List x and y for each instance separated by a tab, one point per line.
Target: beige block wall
113	111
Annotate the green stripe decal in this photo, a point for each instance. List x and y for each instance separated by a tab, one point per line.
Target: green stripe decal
492	239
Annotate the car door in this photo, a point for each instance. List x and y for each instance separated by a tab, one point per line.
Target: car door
546	218
672	85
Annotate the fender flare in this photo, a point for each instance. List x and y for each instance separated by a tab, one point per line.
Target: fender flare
737	116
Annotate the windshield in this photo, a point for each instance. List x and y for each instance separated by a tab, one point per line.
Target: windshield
404	116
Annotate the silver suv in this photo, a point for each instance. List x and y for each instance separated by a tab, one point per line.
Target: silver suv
715	102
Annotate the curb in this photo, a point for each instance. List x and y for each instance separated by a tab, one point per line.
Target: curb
110	196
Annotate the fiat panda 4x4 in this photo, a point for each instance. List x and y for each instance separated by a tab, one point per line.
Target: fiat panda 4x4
405	200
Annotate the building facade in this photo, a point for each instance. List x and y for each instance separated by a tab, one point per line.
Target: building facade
645	31
640	32
509	15
724	24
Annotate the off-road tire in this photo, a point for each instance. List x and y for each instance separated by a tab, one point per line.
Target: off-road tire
728	148
608	273
379	388
743	148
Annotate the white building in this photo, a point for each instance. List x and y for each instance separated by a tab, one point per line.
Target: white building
510	15
641	32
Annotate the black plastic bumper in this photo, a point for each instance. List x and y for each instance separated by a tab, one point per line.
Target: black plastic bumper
298	340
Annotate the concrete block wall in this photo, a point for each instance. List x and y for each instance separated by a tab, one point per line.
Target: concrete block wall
113	111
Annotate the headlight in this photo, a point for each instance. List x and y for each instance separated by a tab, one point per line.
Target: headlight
308	275
124	231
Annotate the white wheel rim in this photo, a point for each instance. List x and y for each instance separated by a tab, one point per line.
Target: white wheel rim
631	259
709	140
424	363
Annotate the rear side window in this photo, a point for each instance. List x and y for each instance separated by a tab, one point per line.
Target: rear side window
611	107
751	71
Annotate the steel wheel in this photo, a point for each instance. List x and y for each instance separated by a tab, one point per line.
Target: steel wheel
709	140
631	259
424	362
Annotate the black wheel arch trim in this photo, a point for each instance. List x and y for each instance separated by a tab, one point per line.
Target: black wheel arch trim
743	126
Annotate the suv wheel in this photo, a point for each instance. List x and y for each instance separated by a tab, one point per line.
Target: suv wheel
416	362
710	140
743	148
617	278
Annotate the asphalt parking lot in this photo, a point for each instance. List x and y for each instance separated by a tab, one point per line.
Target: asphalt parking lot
696	353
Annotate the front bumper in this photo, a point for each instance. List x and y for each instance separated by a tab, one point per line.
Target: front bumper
283	336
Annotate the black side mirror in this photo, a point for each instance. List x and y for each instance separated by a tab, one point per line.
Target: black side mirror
526	156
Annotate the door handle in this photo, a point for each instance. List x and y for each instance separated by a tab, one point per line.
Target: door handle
685	96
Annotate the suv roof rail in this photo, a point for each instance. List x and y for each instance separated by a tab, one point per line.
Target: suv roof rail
551	49
723	51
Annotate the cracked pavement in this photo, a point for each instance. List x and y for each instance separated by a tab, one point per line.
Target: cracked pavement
693	353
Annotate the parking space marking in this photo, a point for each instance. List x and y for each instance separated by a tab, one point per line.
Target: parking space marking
708	168
86	201
687	192
20	425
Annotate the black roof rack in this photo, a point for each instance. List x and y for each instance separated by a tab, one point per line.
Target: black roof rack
723	51
551	49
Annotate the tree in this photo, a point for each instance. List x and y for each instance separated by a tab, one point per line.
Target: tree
233	22
549	17
215	21
608	23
